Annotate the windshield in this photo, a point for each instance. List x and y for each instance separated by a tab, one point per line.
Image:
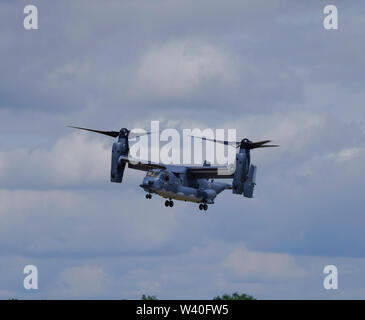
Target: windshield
153	173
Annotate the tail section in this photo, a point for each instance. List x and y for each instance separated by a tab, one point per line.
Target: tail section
244	178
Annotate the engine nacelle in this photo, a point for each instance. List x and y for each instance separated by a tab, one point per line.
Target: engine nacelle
250	183
117	167
240	173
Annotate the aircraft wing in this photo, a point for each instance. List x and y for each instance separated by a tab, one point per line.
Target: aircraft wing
206	172
141	165
210	172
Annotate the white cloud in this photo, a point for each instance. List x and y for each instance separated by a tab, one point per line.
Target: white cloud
82	282
349	154
294	132
195	274
326	166
343	155
74	159
67	222
180	68
260	265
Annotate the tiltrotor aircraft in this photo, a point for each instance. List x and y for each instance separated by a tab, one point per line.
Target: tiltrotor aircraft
186	183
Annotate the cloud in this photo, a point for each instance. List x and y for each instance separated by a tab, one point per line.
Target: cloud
84	281
64	223
260	265
247	65
72	160
349	154
294	131
179	69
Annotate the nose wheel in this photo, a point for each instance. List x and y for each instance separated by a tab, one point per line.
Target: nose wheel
169	203
203	206
148	196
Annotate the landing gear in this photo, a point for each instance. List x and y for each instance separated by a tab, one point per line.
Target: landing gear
148	196
203	206
169	203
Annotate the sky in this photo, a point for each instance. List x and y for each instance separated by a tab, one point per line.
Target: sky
268	69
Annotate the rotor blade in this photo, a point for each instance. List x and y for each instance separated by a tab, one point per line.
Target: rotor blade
136	135
113	134
230	143
267	146
247	144
262	142
257	144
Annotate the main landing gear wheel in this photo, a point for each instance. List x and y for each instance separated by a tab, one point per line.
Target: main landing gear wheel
203	206
148	196
169	203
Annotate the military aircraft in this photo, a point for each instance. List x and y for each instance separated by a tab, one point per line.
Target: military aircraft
186	183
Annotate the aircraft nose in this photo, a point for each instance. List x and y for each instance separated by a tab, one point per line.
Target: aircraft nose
147	182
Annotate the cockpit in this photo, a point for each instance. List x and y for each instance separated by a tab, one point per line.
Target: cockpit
158	175
153	173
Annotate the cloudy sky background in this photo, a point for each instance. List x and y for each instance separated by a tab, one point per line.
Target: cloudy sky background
267	68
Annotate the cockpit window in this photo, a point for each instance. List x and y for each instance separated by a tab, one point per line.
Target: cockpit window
153	173
158	174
